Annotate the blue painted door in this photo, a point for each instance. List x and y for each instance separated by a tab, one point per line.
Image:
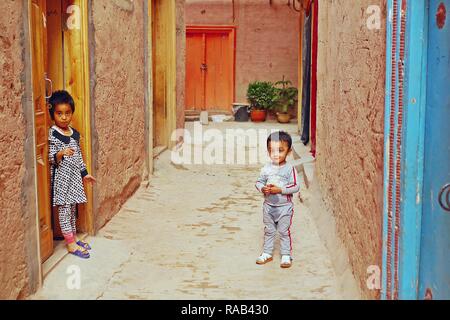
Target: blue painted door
435	238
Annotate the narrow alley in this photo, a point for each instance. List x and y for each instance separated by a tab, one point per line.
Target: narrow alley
101	105
206	245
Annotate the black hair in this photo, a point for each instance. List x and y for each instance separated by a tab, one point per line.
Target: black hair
60	97
280	136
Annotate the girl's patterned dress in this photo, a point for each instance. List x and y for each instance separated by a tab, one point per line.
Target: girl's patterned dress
66	178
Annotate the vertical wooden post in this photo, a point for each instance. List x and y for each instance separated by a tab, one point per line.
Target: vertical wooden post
164	64
315	41
76	81
149	86
300	72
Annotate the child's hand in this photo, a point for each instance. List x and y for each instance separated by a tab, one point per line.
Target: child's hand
275	190
68	152
89	179
65	152
266	189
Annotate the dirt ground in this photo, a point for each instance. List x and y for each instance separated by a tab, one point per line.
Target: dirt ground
195	233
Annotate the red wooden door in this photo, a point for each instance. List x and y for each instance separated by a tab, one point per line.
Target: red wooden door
209	68
195	57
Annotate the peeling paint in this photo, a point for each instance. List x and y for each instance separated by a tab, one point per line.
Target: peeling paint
441	16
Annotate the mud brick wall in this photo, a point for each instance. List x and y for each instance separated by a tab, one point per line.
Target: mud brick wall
14	216
351	82
119	106
267	37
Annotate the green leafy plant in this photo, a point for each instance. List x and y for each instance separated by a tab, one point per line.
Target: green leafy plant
286	95
261	95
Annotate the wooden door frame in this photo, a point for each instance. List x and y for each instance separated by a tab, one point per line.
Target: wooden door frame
83	56
231	30
84	82
148	62
169	15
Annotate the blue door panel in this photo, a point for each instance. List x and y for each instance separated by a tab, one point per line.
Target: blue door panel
435	238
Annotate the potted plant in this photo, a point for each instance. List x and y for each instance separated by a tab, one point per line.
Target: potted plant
286	98
262	96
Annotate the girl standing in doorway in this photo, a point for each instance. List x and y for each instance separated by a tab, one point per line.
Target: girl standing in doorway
68	170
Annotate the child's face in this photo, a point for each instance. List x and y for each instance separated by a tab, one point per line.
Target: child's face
63	115
278	151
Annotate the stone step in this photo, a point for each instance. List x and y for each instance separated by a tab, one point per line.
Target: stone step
197	118
304	162
195	115
210	112
308	173
192	118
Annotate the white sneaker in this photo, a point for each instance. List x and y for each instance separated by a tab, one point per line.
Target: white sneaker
286	262
264	258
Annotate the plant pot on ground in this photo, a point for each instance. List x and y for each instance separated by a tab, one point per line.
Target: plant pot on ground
258	115
283	117
262	97
286	97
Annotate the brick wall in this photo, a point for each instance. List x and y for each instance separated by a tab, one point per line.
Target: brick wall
266	37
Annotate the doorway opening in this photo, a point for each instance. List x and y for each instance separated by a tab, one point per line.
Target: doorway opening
59	46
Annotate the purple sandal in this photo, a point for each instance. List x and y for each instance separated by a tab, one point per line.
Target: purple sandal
81	254
84	245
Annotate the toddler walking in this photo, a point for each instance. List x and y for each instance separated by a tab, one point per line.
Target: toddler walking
278	182
68	170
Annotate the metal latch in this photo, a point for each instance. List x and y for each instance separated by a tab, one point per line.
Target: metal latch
48	93
444	197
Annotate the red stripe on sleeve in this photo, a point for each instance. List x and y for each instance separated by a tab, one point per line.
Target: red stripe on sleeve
295	180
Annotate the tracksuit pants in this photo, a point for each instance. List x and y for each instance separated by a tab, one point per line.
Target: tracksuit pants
278	218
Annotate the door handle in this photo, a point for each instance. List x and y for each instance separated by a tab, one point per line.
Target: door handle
47	80
204	66
444	197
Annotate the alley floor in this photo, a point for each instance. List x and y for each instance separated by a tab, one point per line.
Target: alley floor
195	233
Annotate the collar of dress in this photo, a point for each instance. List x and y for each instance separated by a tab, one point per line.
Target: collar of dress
57	133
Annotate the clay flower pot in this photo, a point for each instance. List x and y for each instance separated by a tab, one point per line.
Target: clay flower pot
258	115
283	117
